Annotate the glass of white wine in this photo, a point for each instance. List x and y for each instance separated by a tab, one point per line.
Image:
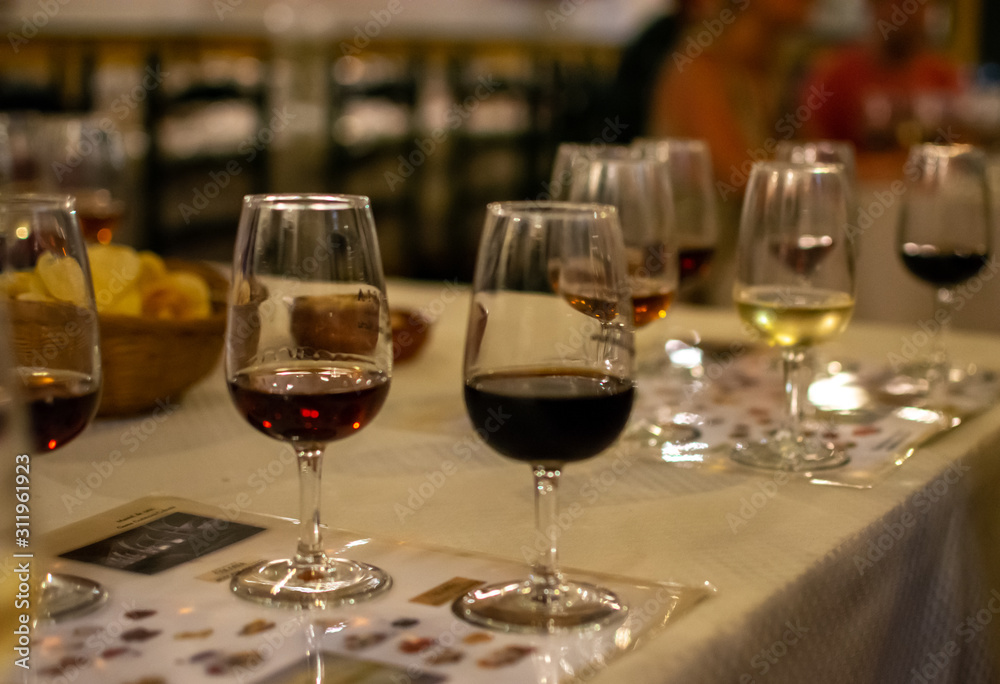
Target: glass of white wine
795	288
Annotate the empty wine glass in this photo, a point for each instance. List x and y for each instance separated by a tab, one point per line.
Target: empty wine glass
548	350
308	361
818	152
570	155
794	287
945	237
53	325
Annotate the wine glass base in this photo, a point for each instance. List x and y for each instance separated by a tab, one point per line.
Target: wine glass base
522	607
658	434
334	583
803	457
66	596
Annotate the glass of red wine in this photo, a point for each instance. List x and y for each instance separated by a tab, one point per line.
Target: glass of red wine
55	339
308	361
549	349
944	239
794	302
689	163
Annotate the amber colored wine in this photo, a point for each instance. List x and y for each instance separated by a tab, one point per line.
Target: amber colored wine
99	216
647	308
549	415
789	316
60	405
942	267
596	306
312	404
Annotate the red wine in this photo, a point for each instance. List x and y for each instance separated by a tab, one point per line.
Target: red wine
694	261
309	404
942	267
60	405
802	253
549	415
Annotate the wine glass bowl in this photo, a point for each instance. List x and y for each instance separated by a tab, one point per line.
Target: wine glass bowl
944	236
689	164
794	288
308	361
549	369
55	342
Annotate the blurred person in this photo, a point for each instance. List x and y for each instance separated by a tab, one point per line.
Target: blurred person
726	82
887	91
632	90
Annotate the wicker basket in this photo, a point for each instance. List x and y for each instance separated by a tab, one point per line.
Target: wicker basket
149	362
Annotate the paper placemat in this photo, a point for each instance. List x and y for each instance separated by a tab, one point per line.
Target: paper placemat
740	398
170	616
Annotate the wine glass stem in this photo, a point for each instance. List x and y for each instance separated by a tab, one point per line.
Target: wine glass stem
310	551
792	359
943	299
545	572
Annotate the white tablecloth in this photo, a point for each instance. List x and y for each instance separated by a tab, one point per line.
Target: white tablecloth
820	584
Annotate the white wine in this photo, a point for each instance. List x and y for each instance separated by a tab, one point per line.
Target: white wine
790	316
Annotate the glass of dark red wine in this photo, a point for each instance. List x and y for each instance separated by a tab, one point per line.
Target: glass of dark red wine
944	239
308	360
548	381
55	339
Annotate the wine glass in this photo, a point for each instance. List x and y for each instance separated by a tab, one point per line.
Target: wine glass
549	381
794	287
640	190
308	361
570	155
689	164
689	167
85	157
944	238
822	152
818	152
55	339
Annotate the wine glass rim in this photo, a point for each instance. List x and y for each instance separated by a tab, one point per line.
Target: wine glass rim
799	167
52	199
332	200
697	144
556	208
945	149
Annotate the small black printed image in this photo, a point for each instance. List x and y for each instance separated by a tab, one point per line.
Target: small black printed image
164	543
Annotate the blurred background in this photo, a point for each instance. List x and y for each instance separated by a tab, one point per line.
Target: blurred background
162	115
